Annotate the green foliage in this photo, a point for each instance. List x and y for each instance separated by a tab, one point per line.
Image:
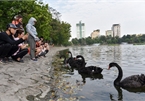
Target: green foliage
75	41
60	32
133	39
89	41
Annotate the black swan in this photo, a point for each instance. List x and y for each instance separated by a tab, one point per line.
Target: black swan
134	81
80	61
88	69
73	61
66	62
70	60
69	52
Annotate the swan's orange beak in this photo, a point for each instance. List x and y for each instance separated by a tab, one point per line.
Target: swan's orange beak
109	68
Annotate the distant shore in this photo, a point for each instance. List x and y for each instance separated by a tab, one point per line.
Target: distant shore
20	80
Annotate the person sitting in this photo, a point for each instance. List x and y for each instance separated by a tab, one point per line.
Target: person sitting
46	49
8	46
23	50
38	48
43	47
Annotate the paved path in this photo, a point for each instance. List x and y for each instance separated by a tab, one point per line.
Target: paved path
18	80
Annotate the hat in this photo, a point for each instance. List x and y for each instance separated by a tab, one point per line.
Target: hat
17	17
10	25
20	28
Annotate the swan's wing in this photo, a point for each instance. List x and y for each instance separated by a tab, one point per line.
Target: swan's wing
131	81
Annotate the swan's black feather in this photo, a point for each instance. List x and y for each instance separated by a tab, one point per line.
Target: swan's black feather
133	81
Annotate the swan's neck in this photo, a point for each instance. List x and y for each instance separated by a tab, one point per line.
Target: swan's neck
64	61
83	61
70	54
120	74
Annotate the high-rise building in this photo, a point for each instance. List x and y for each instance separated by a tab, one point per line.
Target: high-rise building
95	33
80	27
109	33
116	30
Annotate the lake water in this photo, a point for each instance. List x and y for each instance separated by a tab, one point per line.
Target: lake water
73	86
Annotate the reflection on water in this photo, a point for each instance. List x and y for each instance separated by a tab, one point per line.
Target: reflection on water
100	87
119	91
92	77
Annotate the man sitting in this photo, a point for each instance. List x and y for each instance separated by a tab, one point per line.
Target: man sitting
8	46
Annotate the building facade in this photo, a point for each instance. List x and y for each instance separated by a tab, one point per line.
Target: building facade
80	28
95	33
109	33
116	30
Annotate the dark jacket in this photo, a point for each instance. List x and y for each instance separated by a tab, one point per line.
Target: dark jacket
5	38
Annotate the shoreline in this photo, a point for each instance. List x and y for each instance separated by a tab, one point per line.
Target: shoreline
22	81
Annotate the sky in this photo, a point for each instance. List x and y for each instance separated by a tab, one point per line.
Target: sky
102	14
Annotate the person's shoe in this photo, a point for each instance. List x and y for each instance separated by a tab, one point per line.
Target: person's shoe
2	61
36	56
20	61
34	59
7	59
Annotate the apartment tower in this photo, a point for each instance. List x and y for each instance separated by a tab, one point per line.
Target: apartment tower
80	27
116	30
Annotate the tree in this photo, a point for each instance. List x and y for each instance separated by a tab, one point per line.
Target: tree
60	32
75	41
89	41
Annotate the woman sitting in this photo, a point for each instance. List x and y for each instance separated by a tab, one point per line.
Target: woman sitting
23	50
45	49
41	48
